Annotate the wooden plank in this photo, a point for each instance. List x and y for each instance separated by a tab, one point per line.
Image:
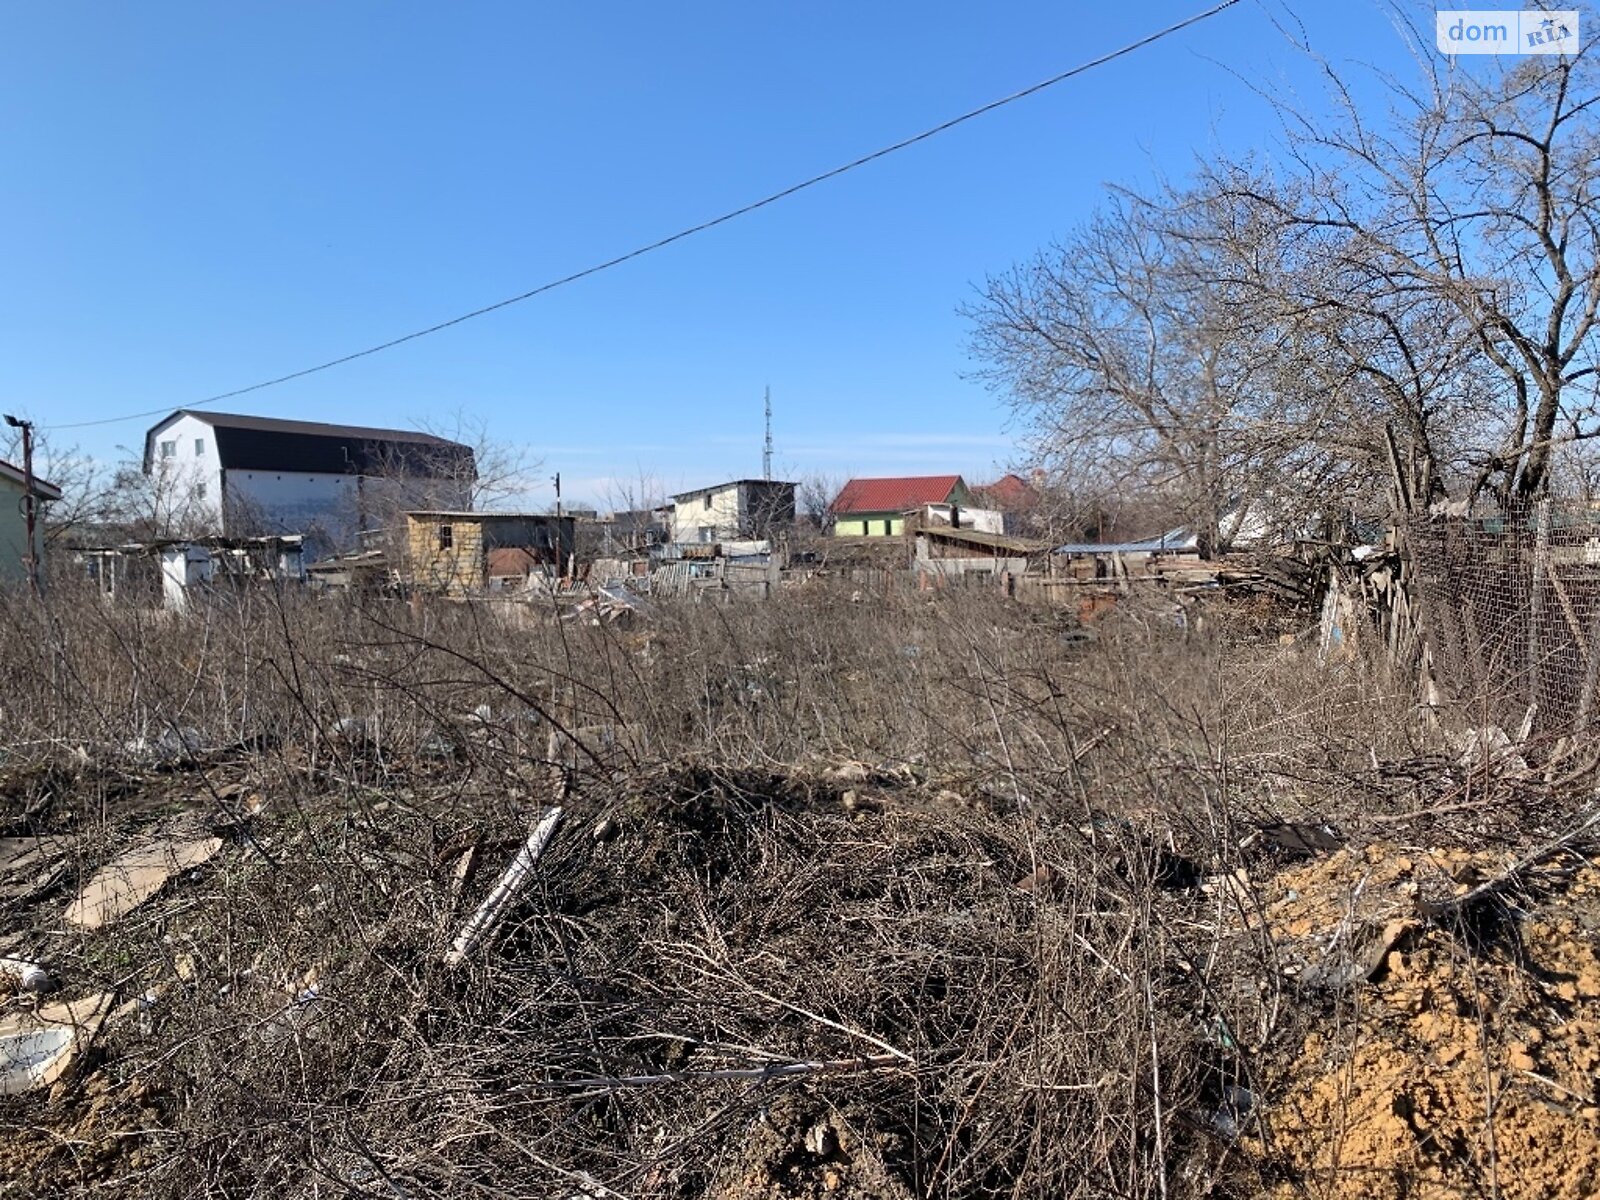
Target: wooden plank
1568	611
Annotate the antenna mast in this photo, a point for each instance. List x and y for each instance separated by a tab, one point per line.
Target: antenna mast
766	452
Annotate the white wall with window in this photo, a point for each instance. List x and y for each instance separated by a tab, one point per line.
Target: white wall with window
186	472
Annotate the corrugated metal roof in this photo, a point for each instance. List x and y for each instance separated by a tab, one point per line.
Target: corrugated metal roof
894	494
1170	542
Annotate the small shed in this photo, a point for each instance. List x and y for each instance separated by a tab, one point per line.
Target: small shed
454	552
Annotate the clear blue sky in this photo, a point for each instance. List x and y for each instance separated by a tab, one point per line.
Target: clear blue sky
201	195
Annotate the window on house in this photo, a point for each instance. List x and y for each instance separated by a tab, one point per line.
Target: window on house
199	491
708	501
199	447
169	449
447	537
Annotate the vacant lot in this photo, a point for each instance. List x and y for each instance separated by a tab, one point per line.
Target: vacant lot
851	894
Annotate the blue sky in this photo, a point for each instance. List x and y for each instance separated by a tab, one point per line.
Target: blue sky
201	195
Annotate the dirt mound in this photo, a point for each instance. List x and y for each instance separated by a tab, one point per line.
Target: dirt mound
1464	1057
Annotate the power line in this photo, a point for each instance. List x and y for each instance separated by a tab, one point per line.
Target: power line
661	243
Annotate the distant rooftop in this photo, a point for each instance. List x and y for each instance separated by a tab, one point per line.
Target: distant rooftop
274	444
894	493
483	515
42	488
717	487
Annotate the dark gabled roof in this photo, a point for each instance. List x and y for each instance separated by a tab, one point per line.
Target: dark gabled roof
42	488
250	443
897	494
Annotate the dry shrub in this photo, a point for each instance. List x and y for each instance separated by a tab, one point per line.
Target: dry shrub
944	834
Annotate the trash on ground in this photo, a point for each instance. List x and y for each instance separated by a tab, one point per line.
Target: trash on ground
36	1048
510	886
127	881
24	975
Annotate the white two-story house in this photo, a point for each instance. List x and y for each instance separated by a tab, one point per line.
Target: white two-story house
244	476
744	508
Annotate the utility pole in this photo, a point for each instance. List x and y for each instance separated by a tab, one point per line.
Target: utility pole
560	568
766	453
31	559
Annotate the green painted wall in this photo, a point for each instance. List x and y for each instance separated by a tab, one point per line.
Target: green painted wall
872	524
869	525
13	533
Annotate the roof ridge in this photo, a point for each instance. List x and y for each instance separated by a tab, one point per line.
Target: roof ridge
313	428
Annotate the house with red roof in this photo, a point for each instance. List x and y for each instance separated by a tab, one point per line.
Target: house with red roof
1010	493
878	507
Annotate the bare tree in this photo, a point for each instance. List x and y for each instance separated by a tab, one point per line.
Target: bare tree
147	506
469	468
84	483
814	497
1413	297
500	472
1470	217
1141	356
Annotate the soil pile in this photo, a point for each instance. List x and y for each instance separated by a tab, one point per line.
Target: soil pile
1465	1059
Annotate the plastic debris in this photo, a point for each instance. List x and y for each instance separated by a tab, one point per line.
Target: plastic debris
28	976
36	1048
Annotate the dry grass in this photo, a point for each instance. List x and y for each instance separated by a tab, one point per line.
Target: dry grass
936	845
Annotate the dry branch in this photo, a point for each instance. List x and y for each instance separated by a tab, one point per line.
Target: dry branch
510	886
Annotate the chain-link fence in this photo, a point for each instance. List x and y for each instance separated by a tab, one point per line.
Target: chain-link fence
1510	603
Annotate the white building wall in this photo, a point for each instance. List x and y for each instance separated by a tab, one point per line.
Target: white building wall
722	512
982	520
185	466
329	508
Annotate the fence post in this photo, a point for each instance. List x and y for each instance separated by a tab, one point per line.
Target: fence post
1541	568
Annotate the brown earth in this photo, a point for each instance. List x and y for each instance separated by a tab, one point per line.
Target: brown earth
1467	1065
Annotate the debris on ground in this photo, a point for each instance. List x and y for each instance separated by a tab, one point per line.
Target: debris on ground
37	1047
133	877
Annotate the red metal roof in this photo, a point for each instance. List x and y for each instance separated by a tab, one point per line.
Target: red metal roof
1008	490
896	494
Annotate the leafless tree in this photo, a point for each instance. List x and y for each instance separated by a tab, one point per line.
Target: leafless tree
84	483
1468	220
471	468
136	505
1141	356
501	471
1411	295
814	497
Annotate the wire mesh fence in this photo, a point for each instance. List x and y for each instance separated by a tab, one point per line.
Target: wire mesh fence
1511	605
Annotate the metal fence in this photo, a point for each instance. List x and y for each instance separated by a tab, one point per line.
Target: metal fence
1510	605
